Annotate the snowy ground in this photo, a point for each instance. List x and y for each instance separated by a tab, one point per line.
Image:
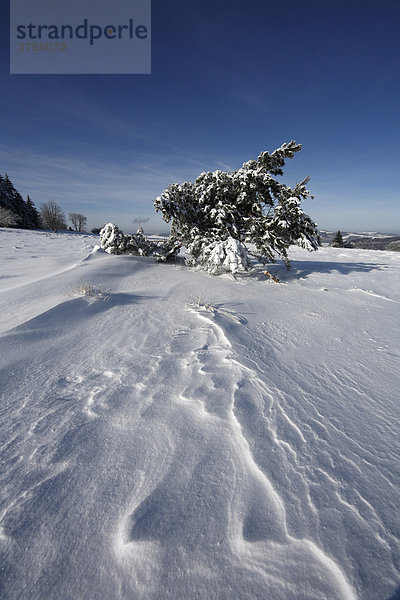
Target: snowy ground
244	447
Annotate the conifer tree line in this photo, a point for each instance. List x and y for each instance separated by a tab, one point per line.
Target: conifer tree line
14	210
17	212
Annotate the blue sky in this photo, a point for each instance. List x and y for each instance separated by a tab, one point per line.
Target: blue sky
229	80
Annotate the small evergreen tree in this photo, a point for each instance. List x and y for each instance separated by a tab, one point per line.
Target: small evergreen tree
337	241
234	211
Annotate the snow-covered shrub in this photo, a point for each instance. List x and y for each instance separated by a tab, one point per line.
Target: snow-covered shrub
248	205
114	241
198	302
111	239
90	291
144	246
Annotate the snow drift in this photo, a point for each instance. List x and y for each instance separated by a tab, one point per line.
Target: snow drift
198	437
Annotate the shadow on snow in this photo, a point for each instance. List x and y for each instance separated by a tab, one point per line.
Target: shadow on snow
71	313
303	269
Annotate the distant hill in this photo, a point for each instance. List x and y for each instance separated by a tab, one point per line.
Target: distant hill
366	240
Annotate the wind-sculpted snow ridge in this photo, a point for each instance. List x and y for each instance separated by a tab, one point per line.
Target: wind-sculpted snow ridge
319	471
256	529
159	453
246	446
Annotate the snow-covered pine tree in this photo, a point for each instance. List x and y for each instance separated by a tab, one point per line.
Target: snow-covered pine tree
249	206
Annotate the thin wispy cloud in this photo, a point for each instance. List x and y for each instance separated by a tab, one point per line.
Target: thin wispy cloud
224	166
113	188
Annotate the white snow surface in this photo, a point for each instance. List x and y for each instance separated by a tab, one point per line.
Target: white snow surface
196	436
